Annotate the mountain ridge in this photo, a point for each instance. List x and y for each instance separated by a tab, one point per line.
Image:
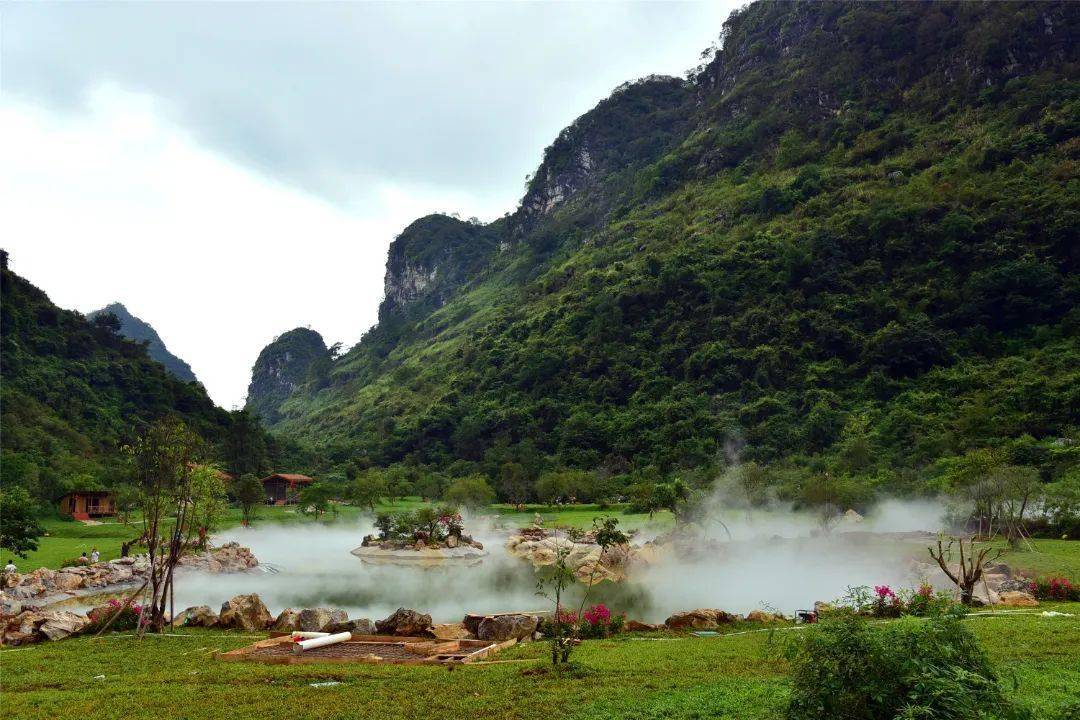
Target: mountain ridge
839	229
139	330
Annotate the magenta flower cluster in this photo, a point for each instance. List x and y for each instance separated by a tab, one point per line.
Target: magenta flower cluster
597	615
884	592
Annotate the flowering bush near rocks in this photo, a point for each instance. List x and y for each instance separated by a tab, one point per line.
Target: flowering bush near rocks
884	602
1055	588
128	618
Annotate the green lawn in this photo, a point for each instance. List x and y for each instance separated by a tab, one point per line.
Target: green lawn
1049	557
67	539
640	677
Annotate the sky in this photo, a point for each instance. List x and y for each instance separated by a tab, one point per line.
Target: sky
230	171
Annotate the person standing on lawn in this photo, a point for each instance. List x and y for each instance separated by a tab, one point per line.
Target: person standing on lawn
94	556
10	568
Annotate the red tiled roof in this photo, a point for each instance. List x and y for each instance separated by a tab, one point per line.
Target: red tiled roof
290	477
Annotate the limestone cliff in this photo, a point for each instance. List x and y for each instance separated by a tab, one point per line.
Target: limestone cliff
283	366
431	259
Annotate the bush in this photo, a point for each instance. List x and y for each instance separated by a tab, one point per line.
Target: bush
1055	588
846	668
128	619
883	602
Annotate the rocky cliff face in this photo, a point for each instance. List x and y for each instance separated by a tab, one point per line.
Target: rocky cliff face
282	367
135	329
431	259
635	125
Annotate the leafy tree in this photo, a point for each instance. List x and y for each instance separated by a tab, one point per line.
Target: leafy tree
315	499
368	489
244	449
472	492
19	528
180	502
250	495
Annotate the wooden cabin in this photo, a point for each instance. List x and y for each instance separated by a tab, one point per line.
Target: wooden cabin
284	488
86	504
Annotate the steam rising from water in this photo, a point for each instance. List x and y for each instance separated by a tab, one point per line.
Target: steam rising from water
774	559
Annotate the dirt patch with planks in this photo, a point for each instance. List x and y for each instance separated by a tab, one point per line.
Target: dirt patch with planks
282	650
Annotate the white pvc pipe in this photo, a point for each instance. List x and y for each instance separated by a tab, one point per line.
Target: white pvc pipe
307	634
321	641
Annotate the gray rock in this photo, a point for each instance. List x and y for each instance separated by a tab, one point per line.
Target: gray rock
505	627
404	622
287	621
318	619
359	626
245	612
198	616
59	625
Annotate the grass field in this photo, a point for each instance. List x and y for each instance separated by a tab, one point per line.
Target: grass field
640	677
1046	557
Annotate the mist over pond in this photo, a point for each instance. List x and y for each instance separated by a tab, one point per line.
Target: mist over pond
777	560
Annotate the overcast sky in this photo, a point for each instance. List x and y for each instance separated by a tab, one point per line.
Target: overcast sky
231	171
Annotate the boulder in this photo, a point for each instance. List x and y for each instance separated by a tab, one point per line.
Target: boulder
404	622
318	619
763	616
10	580
245	612
1017	598
638	626
477	544
68	580
198	616
61	624
359	626
506	627
451	631
452	541
287	621
700	619
471	623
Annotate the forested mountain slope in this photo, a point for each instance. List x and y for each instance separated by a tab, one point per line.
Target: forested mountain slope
138	330
847	242
74	390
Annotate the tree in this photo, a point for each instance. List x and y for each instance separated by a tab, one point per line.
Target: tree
472	491
250	494
368	489
429	486
126	499
753	480
315	499
244	448
19	528
398	482
970	569
180	501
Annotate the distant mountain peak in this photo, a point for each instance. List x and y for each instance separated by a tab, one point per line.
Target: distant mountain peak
139	330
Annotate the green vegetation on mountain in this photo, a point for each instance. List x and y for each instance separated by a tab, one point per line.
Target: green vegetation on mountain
138	330
845	247
74	391
293	360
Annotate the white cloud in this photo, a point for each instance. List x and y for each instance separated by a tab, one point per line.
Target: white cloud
121	204
230	171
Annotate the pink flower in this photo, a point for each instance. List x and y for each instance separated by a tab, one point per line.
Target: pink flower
884	591
597	615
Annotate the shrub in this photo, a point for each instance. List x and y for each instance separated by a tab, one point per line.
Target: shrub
844	667
128	619
884	602
1055	588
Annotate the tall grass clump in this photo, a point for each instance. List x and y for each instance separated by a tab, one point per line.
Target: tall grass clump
846	668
